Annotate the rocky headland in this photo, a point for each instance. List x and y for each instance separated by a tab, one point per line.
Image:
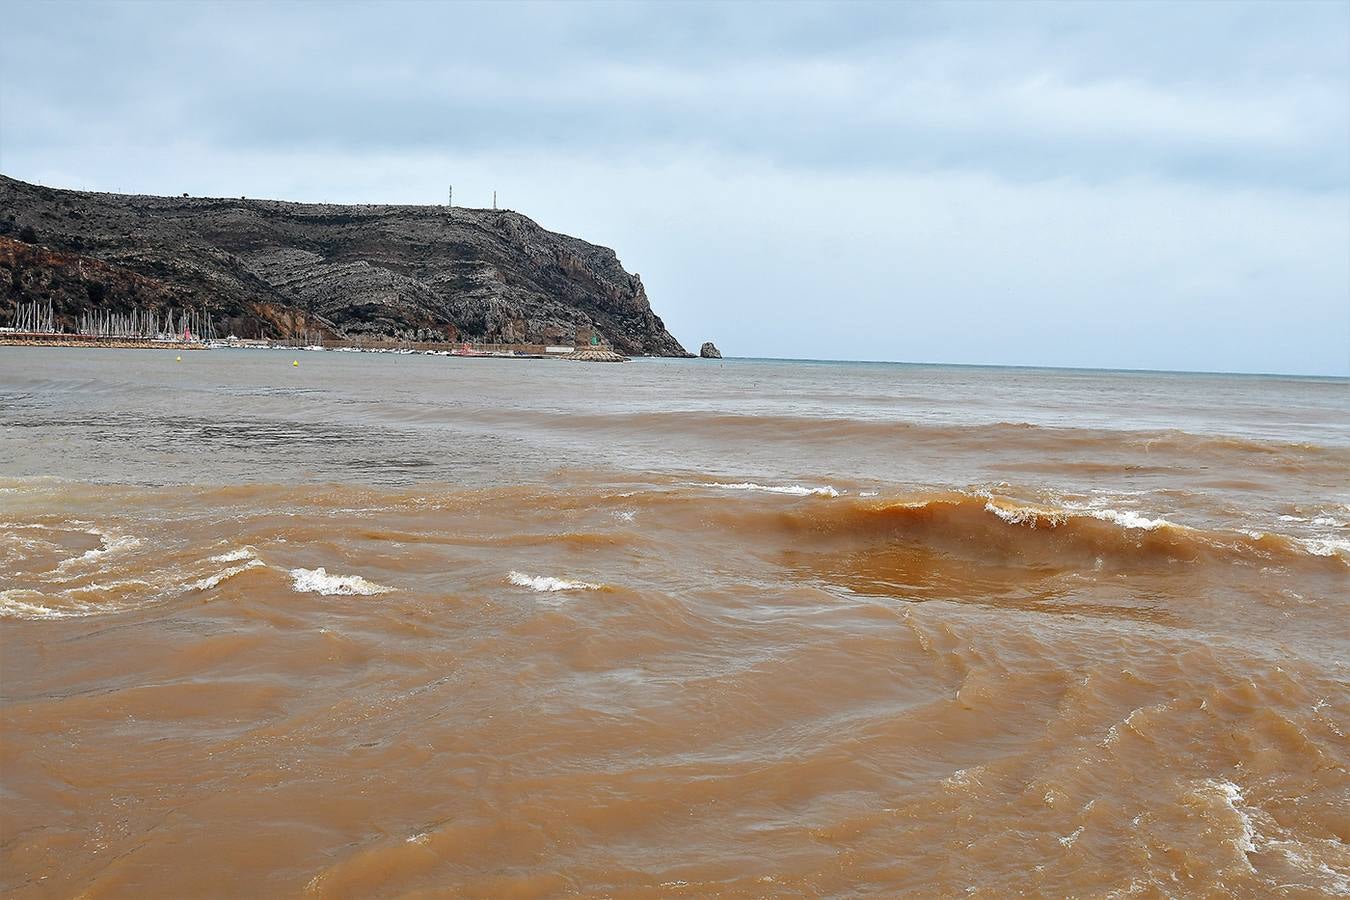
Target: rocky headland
266	268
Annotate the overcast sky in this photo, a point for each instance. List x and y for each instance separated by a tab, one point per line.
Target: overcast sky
1137	185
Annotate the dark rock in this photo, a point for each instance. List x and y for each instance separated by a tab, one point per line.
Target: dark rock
268	268
709	351
74	283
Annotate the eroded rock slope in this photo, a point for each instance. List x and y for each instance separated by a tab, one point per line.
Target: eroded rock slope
270	268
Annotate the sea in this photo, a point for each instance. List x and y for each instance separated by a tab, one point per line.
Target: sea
319	624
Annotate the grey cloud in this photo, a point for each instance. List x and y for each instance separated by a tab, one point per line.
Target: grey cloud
1028	91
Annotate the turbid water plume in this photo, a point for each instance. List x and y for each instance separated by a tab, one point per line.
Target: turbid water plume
424	627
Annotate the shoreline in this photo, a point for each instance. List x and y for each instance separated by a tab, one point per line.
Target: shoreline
495	351
87	340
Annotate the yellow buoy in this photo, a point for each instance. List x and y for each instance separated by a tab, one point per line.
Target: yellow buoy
295	362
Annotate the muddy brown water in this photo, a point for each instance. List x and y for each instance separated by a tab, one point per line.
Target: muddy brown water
380	626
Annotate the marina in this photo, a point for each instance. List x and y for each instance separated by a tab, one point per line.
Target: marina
36	325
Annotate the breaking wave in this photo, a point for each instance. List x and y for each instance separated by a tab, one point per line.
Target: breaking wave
246	552
1064	532
795	490
318	581
548	584
98	598
211	581
109	543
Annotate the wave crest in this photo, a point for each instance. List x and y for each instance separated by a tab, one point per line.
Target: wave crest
318	581
795	490
1066	532
549	584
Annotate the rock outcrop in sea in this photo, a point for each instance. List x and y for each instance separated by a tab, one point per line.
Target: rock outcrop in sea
266	268
709	351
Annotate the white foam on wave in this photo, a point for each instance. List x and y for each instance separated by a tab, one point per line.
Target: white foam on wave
22	603
1322	520
1316	546
318	581
1130	519
213	580
1033	515
1069	839
1338	882
110	543
548	584
248	551
795	490
16	546
1326	546
1106	507
963	778
107	587
1025	515
1232	798
71	603
1300	856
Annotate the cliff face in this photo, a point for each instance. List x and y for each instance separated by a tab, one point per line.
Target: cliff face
267	268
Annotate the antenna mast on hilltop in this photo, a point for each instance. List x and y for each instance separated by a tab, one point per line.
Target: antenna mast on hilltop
450	196
494	199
